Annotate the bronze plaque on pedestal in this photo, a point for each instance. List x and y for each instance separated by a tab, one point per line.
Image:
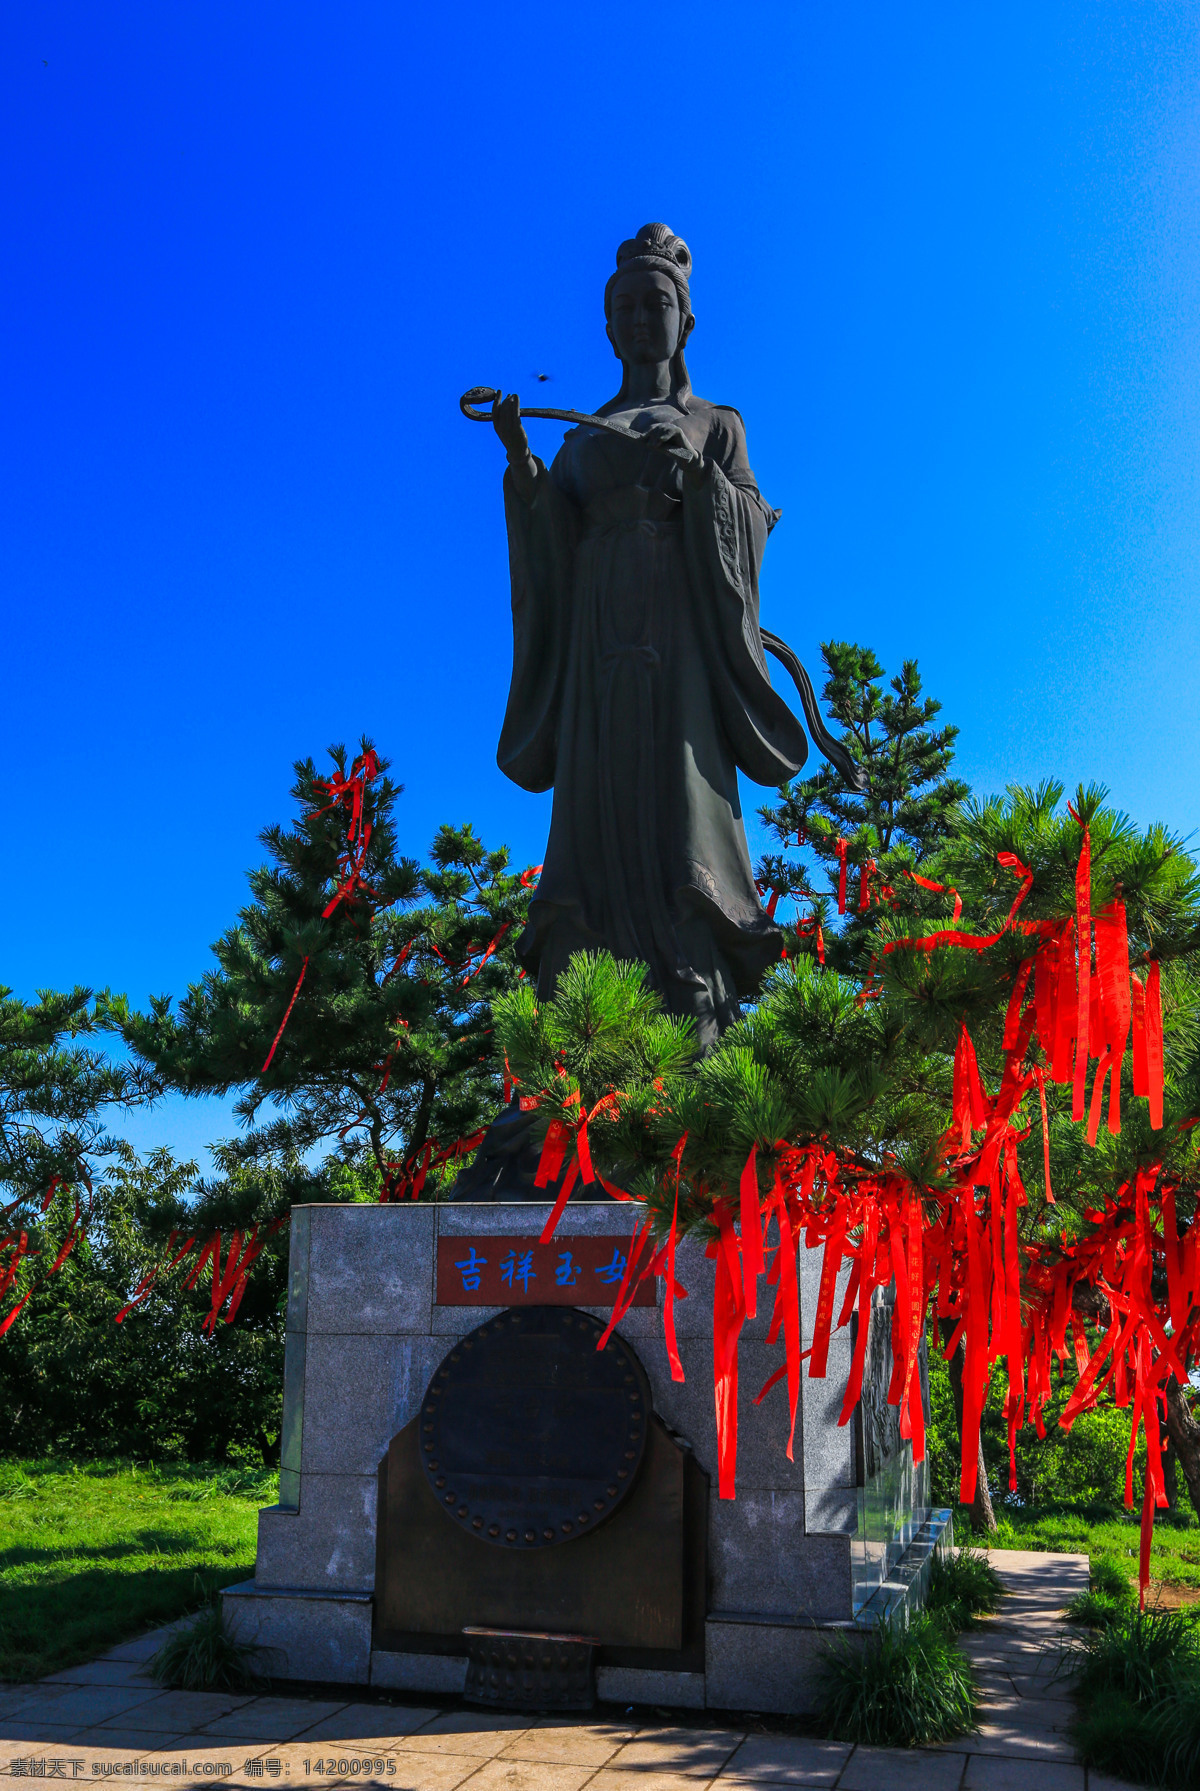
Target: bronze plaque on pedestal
532	1430
529	1434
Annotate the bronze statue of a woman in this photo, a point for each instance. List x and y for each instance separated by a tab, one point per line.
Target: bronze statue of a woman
639	685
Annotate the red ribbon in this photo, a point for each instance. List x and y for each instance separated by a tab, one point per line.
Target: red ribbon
971	941
729	1315
1154	1046
1083	942
823	1321
752	1244
287	1016
669	1294
938	889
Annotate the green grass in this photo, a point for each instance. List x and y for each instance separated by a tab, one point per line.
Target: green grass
1096	1530
92	1553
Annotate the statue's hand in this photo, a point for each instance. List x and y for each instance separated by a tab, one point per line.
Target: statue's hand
670	438
506	421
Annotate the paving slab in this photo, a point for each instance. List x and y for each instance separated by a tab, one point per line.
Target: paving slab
1015	1739
1037	1715
141	1647
103	1672
81	1705
1042	1562
784	1760
609	1780
988	1772
569	1744
280	1719
699	1753
13	1729
994	1683
370	1727
902	1769
529	1775
999	1654
178	1712
13	1696
1048	1686
465	1732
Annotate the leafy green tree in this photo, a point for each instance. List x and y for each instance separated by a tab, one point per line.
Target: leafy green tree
352	997
158	1384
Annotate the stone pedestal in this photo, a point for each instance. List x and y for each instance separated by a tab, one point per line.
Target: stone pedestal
365	1334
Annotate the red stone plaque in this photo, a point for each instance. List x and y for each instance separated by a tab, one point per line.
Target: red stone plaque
492	1271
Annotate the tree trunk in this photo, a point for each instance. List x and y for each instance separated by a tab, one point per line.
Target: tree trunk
420	1129
1171	1476
983	1518
1184	1432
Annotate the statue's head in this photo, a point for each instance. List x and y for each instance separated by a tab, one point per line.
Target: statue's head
647	304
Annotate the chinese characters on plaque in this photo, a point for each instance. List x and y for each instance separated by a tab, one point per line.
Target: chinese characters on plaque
486	1271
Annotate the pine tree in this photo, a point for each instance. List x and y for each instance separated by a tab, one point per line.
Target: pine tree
863	841
867	1069
55	1095
353	994
54	1091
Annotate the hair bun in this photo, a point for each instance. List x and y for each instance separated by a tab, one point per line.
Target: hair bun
657	242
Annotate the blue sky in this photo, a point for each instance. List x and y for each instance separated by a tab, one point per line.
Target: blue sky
945	265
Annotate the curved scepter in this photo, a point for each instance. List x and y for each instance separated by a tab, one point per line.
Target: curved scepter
823	740
486	395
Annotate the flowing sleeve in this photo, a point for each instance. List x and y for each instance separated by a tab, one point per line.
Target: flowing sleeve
726	523
541	551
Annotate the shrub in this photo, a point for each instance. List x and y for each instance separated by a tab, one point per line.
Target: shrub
203	1656
1095	1610
1142	1655
1109	1596
1154	1743
1139	1688
962	1586
1108	1576
907	1685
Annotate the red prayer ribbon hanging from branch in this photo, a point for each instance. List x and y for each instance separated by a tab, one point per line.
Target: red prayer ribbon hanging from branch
842	848
347	794
15	1246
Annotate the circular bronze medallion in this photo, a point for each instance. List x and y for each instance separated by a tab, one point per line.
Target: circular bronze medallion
529	1435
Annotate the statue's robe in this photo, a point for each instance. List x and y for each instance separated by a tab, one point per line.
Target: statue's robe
639	689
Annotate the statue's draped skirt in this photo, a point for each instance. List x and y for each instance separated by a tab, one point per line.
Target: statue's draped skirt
639	686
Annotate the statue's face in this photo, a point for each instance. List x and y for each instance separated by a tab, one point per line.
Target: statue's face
643	323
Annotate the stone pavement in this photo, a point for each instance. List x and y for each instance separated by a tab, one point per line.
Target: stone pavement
108	1720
